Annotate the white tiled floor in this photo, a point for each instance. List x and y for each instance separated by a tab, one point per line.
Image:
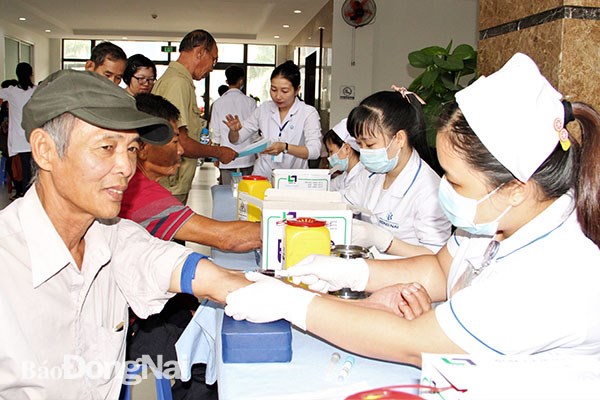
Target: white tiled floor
200	200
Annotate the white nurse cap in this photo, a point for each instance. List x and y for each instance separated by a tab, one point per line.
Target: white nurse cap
342	132
516	114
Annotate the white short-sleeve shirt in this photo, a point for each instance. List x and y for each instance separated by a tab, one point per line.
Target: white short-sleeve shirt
233	102
343	181
58	321
540	293
301	127
16	98
409	208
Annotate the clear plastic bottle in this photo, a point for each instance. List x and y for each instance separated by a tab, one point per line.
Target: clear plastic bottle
205	136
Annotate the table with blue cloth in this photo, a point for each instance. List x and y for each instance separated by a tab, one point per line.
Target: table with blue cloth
309	374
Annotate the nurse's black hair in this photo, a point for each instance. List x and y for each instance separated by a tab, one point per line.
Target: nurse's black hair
133	63
331	137
290	71
577	168
389	112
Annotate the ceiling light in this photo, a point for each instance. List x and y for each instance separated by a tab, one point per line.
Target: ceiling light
22	19
47	31
309	38
285	25
276	36
297	11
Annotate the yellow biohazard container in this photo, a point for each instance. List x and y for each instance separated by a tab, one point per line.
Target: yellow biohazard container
254	185
303	237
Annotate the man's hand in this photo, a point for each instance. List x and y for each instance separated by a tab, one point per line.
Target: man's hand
225	154
245	236
408	300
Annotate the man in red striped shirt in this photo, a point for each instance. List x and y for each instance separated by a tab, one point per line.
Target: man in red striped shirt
149	204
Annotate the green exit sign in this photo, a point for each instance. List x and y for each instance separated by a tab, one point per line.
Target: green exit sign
168	49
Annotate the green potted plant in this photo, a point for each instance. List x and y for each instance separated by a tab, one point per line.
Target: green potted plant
446	72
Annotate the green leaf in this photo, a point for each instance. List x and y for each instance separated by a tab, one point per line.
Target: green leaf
435	51
448	97
464	52
449	47
451	63
419	59
429	77
448	81
416	84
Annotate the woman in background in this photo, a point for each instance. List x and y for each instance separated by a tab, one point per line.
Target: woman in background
139	75
401	192
343	156
292	126
17	96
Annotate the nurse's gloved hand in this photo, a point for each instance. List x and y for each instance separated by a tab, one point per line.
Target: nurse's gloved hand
367	235
267	300
328	273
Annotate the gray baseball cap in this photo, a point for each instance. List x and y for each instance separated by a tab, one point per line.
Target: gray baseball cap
95	100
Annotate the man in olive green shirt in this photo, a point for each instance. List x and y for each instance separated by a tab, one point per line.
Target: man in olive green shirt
198	55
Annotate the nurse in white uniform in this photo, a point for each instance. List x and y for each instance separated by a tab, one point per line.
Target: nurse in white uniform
400	193
343	156
292	126
521	274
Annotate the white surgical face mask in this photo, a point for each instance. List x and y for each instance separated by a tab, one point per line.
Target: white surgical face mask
376	160
336	160
461	210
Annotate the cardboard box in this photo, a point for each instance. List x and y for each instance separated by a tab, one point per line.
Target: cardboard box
467	377
302	179
247	342
280	205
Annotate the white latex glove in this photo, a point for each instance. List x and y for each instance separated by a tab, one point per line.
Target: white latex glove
367	235
328	273
267	300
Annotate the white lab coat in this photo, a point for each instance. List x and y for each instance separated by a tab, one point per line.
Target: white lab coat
343	181
16	98
409	208
233	102
539	294
301	127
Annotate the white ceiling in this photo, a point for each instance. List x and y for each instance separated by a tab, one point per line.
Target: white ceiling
250	21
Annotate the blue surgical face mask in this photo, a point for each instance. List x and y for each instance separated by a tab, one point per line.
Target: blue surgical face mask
335	160
376	160
461	210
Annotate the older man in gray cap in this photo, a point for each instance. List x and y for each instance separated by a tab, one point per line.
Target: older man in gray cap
70	268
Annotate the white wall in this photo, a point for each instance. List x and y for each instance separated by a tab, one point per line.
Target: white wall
401	26
41	52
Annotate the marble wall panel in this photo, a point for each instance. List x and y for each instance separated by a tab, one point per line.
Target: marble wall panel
542	43
497	12
579	66
494	13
